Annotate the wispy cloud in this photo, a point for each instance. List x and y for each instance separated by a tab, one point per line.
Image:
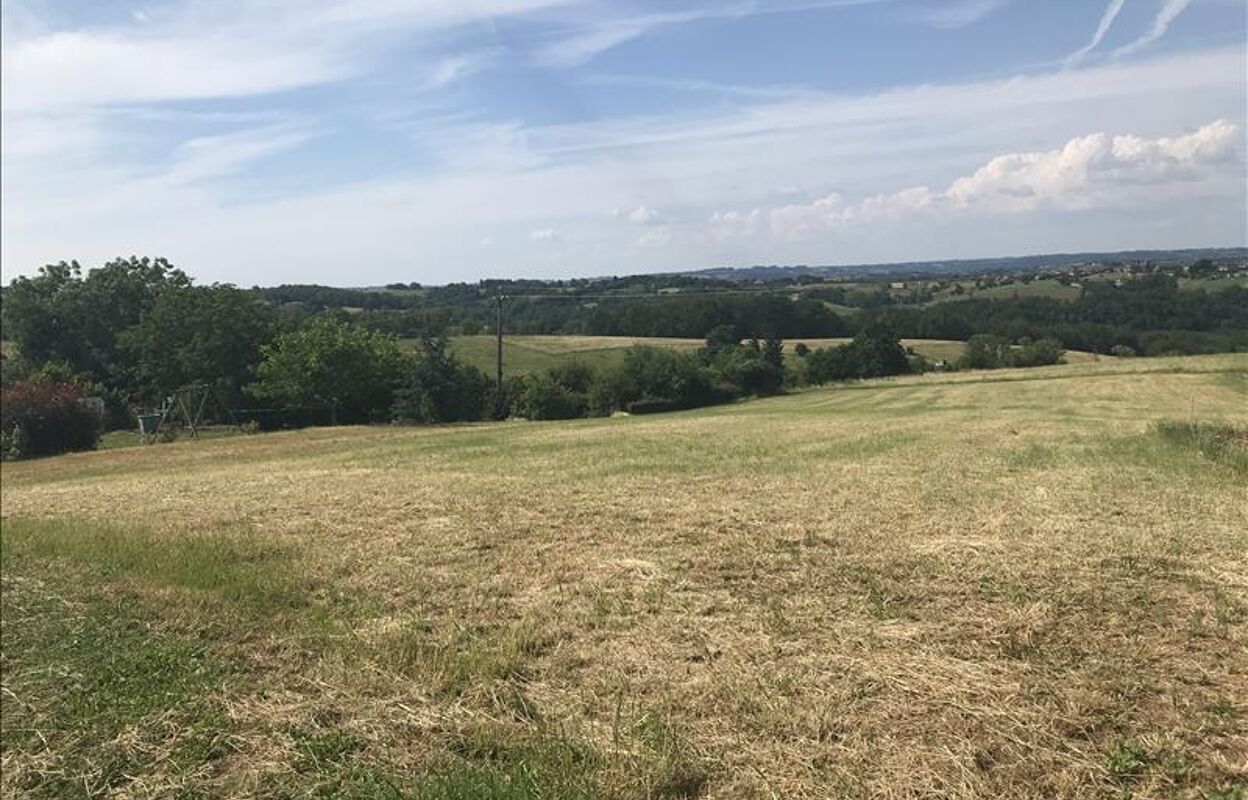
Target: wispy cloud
959	14
1169	12
587	41
462	65
582	46
1107	20
208	157
698	86
216	50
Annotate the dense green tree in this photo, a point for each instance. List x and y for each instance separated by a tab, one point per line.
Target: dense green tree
327	364
984	351
544	396
874	352
1040	353
664	378
750	368
59	315
436	387
721	336
773	352
199	334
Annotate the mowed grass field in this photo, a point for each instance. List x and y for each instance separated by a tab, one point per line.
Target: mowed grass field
999	584
525	354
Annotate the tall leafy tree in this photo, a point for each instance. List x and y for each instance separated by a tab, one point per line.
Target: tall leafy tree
198	334
328	364
59	315
436	387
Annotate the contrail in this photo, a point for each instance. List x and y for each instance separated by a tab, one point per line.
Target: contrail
1107	20
1167	14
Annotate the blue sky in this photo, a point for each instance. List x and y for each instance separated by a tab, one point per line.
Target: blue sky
363	142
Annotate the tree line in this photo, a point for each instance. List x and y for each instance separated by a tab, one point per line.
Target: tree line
1149	314
135	330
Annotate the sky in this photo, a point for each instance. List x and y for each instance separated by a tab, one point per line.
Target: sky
363	142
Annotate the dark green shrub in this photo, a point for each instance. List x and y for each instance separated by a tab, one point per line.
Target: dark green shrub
1040	353
43	418
438	388
749	369
984	351
872	353
543	396
648	372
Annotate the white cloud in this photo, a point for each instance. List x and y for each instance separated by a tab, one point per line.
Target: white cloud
1107	20
1100	171
1169	12
546	236
1089	172
729	225
644	215
657	237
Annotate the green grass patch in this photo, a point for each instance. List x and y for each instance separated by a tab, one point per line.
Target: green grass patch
1220	442
94	697
226	567
116	440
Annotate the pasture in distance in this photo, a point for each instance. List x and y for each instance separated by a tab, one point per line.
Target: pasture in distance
1003	584
527	354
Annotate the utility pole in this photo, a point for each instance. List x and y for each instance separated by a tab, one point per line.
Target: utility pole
498	330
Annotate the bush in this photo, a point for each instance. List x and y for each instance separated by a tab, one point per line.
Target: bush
650	373
872	353
1041	353
748	368
327	364
984	351
438	388
44	418
544	396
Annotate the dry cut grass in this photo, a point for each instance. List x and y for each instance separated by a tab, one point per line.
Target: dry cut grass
1001	584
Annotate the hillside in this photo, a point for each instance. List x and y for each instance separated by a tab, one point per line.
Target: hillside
1001	584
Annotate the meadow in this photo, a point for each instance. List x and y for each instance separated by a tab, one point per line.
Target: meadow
1019	583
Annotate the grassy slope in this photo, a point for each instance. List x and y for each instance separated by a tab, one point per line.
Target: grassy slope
1037	288
977	585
